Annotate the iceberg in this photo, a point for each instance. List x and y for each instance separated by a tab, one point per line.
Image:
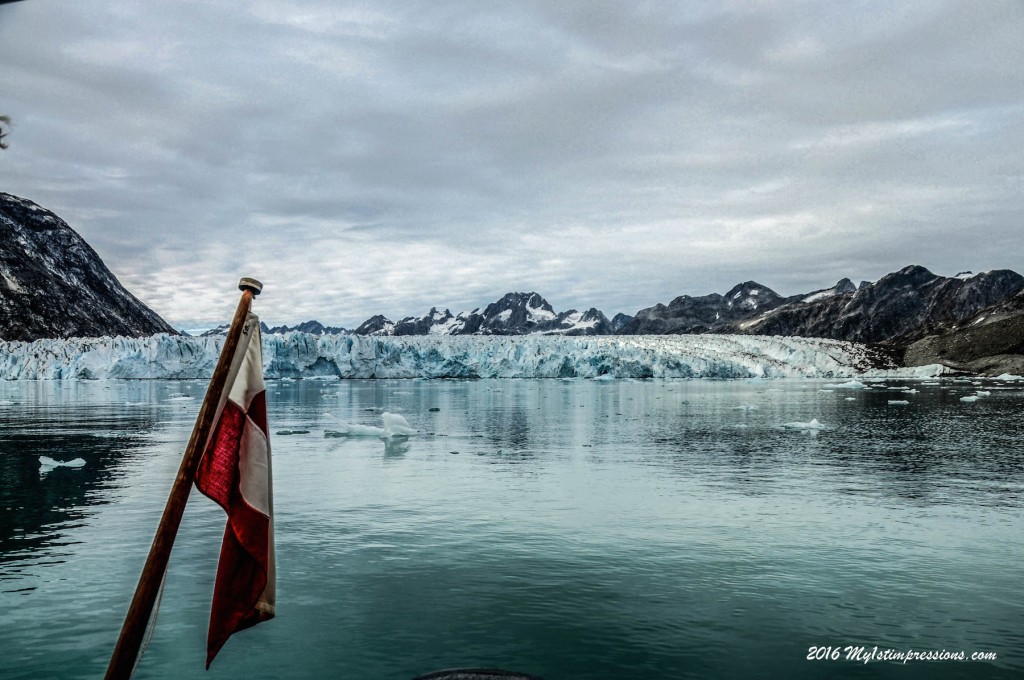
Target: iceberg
850	385
356	431
812	425
297	355
46	464
395	424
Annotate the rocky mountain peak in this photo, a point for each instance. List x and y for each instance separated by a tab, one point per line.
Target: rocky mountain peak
751	295
375	325
54	285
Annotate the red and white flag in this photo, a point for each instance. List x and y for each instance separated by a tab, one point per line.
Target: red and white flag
235	472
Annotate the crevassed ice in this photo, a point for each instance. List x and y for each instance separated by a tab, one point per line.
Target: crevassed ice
300	355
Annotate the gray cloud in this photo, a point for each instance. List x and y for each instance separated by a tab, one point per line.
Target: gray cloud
385	157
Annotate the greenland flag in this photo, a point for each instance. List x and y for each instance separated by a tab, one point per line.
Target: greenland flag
235	472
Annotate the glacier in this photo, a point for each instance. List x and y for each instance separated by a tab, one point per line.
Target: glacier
303	355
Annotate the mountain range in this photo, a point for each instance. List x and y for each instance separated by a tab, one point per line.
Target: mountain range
52	284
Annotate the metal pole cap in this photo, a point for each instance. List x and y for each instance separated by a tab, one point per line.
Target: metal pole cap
250	284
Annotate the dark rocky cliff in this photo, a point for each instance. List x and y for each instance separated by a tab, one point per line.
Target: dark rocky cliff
53	285
897	309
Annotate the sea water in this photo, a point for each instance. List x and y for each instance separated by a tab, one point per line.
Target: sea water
569	529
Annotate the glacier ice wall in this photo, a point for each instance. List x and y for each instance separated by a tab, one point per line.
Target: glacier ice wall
300	355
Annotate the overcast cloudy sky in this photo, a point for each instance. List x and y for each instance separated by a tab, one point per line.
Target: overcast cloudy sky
384	157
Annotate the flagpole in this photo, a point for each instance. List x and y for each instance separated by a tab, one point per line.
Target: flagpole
122	662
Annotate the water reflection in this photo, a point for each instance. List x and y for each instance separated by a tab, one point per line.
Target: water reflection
396	447
35	502
107	425
587	529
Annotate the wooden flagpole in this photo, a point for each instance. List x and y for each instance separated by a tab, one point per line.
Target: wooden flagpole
122	662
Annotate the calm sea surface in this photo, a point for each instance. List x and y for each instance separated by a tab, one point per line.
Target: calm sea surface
569	529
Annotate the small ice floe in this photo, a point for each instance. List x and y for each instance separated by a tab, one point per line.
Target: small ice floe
180	397
1009	377
746	408
898	402
285	433
46	464
849	385
395	424
930	383
983	393
812	425
346	430
850	399
902	388
970	399
134	403
604	376
6	402
911	391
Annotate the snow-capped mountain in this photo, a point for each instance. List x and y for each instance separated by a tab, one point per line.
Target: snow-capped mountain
620	320
312	327
898	308
704	314
513	314
375	325
53	285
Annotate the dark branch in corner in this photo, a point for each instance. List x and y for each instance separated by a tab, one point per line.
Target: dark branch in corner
4	120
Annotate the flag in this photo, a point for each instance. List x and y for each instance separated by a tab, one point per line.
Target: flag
235	472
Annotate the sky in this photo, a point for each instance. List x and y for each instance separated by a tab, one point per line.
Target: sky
387	157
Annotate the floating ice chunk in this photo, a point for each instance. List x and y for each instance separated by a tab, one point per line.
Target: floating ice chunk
911	391
6	402
46	464
1009	376
134	403
356	431
970	398
812	425
605	376
395	424
983	393
898	402
850	399
745	408
180	397
849	385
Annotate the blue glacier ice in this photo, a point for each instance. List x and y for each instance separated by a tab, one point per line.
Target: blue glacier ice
301	355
